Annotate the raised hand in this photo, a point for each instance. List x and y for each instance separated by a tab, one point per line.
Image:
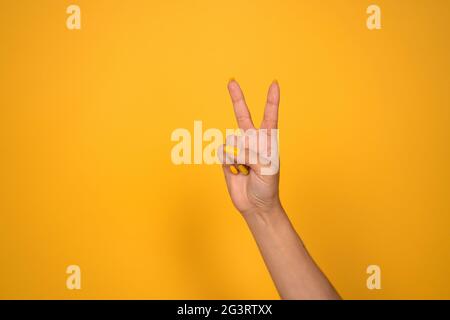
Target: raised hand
255	194
250	189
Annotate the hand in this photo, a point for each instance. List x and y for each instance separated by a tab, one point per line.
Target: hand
255	195
251	191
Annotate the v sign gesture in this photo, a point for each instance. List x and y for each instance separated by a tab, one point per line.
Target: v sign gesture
252	191
256	196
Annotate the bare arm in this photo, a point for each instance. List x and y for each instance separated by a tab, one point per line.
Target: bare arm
293	271
256	196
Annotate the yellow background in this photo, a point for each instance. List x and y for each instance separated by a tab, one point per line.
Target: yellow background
86	118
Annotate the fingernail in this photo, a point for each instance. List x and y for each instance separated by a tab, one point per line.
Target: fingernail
233	151
231	80
243	169
275	81
233	170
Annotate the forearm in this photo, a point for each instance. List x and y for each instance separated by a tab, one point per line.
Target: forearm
293	271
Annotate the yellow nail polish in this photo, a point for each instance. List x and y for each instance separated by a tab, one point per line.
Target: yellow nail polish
233	170
243	169
234	151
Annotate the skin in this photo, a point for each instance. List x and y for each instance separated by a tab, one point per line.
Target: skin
256	197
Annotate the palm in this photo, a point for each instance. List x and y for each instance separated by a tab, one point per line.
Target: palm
253	191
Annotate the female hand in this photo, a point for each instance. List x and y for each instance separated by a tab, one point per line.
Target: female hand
253	191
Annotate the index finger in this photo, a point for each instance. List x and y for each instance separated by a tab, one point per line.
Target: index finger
241	112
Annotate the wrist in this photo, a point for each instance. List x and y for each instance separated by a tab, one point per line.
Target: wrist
267	215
